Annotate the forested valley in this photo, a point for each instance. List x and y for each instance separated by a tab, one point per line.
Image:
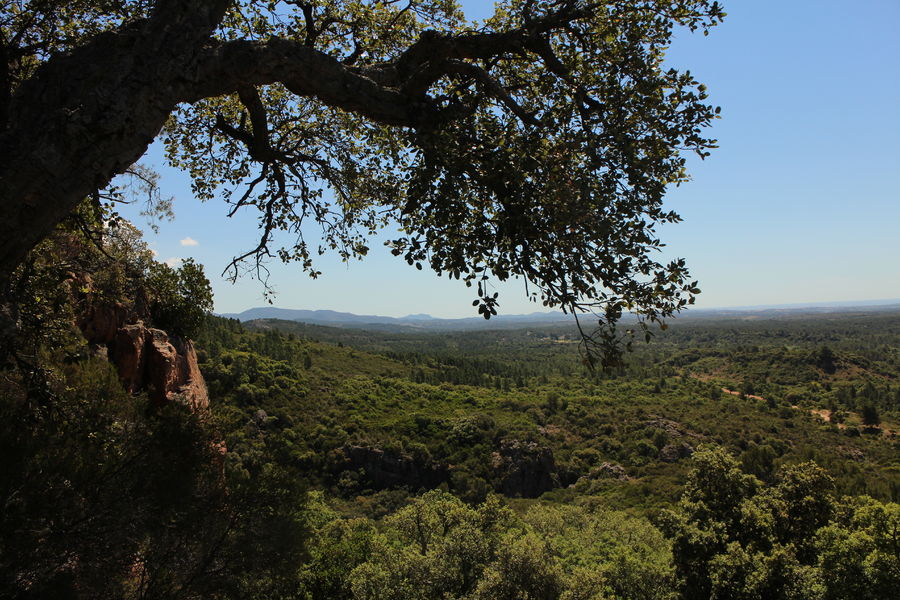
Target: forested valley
154	451
741	458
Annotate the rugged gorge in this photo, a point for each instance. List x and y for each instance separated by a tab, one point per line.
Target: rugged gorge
146	358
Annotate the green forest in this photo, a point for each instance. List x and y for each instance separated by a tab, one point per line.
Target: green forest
742	458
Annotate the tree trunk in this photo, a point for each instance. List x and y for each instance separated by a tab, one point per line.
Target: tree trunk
86	116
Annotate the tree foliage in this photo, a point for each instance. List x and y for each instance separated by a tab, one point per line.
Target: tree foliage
735	539
794	541
182	297
439	547
537	144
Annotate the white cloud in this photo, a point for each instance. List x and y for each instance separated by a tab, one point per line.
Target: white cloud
174	261
189	241
154	252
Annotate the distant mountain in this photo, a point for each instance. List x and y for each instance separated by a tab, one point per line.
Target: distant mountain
842	305
776	311
416	322
418	317
309	316
424	322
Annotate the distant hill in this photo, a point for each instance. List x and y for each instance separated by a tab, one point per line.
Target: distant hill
409	323
425	323
791	311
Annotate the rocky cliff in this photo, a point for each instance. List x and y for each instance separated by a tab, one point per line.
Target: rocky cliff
147	359
385	470
524	469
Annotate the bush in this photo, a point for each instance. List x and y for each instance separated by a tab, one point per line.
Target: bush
181	298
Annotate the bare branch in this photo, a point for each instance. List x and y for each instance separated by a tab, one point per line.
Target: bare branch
249	191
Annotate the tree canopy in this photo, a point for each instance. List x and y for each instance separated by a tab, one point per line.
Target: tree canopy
536	144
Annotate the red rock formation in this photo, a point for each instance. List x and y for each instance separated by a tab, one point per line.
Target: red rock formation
167	367
127	353
147	359
101	322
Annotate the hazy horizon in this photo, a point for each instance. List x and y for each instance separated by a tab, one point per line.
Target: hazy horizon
886	302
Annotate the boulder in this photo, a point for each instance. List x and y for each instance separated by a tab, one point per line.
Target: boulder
524	469
675	451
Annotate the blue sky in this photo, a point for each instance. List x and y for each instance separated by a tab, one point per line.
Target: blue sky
800	204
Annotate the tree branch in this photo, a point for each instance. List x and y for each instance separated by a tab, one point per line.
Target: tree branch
228	66
493	88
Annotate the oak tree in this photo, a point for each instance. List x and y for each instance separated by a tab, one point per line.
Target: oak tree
537	144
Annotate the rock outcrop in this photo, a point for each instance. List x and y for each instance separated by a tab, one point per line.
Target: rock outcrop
675	451
100	323
524	469
147	359
608	470
595	480
386	470
673	429
681	440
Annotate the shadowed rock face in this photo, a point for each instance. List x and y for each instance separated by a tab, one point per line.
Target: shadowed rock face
385	470
525	469
100	322
521	469
127	353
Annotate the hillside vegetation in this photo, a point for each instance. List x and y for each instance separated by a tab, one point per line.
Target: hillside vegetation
751	459
727	459
777	392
